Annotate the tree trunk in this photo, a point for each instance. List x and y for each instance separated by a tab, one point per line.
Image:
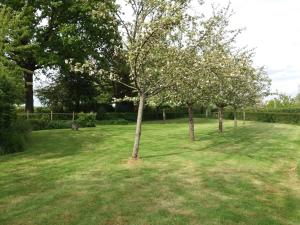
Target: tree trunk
220	119
135	151
28	78
244	116
206	113
191	123
164	115
235	118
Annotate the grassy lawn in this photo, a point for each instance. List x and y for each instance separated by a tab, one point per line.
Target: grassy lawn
245	176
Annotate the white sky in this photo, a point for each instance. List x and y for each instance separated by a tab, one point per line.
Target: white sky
273	29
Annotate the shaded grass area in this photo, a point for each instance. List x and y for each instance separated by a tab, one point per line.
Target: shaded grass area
248	175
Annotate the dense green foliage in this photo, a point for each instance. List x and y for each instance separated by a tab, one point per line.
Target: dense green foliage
248	175
282	101
86	119
83	30
40	124
147	116
270	117
279	110
48	35
43	122
13	132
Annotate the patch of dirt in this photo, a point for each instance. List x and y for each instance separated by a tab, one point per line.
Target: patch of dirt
132	163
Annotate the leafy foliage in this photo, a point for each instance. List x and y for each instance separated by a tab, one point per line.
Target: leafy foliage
86	119
13	132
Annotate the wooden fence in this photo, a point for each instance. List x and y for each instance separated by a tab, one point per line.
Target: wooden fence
51	116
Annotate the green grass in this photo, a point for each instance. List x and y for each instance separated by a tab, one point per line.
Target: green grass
245	176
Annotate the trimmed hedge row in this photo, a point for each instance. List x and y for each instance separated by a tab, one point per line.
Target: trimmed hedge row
146	116
281	110
83	120
37	124
270	117
89	119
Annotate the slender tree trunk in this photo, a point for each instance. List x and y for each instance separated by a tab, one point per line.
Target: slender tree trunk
28	78
164	115
235	118
206	113
244	116
135	151
220	119
191	123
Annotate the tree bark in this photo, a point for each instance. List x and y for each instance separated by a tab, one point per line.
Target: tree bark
135	151
235	118
220	119
191	123
29	104
244	116
164	115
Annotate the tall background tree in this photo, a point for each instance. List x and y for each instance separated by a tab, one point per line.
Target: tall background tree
55	31
11	89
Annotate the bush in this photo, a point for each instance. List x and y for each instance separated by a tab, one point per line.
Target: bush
59	124
44	123
147	116
116	116
13	132
280	110
86	119
270	117
13	138
114	122
37	124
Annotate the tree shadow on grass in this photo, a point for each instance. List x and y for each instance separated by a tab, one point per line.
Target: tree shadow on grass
251	141
264	142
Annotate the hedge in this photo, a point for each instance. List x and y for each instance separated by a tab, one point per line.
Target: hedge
270	117
146	116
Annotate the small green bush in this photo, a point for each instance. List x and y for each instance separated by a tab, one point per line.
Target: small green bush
86	119
147	116
269	117
13	132
59	124
14	138
38	124
114	122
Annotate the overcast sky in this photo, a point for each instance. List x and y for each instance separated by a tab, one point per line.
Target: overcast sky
273	29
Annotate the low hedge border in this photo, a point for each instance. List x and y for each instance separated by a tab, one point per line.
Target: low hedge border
270	117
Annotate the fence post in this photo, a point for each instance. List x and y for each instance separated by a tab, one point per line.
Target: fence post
27	114
51	115
73	116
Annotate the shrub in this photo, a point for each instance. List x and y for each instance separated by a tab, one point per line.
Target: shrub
13	138
12	131
59	124
86	119
37	124
146	116
270	117
114	122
